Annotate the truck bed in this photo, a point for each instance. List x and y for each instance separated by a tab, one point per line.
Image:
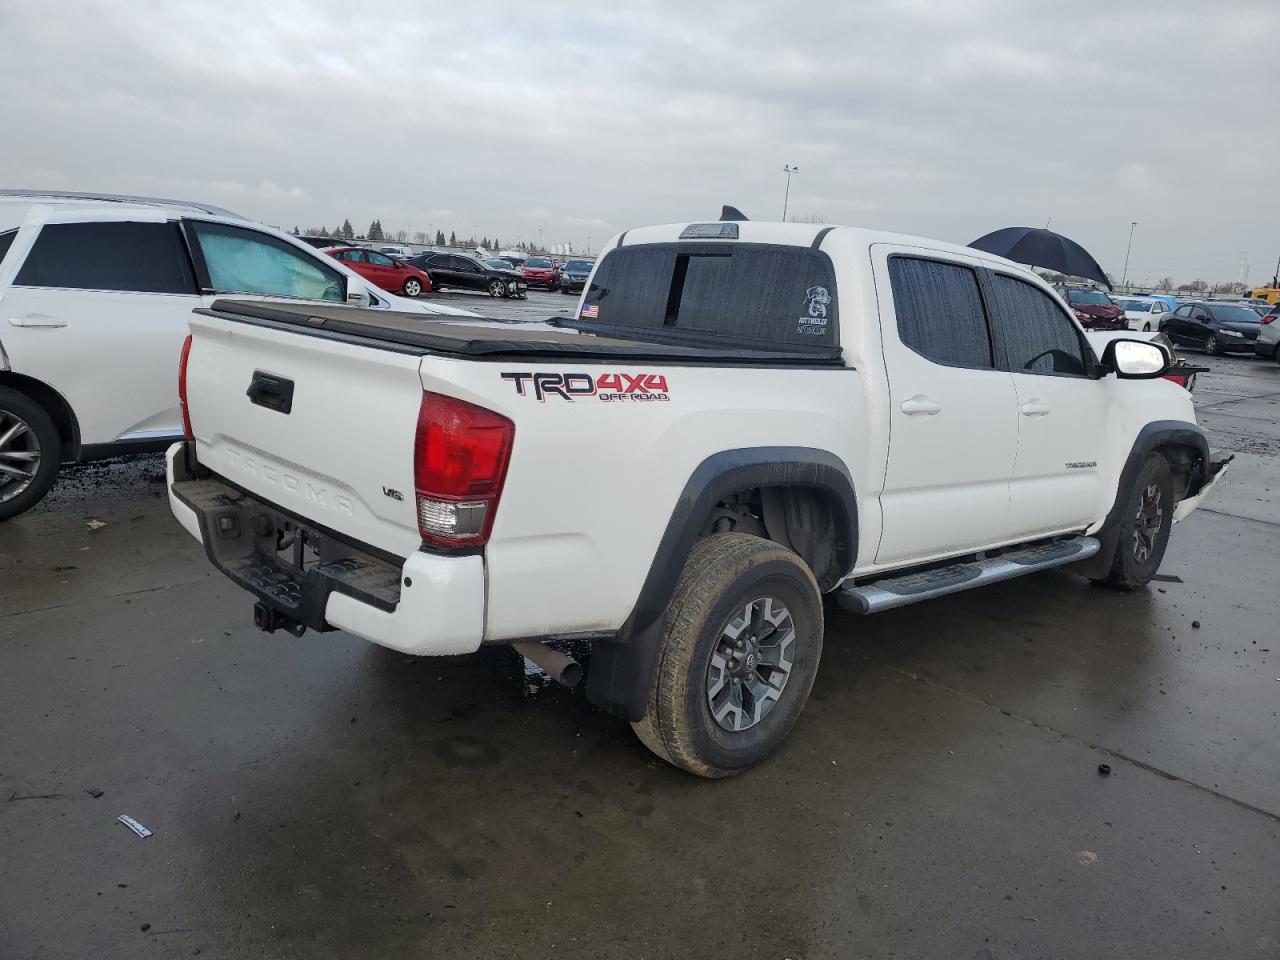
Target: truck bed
490	339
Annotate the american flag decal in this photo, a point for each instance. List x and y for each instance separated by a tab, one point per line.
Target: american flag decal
591	311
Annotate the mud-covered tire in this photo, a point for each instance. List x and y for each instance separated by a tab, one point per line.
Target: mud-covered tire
1129	568
17	408
725	573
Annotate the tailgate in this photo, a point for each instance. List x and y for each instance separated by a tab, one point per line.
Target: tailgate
321	428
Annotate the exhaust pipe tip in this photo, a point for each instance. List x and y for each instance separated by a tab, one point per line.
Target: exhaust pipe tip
560	667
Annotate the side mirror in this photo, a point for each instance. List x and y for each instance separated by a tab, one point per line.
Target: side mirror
357	295
1135	359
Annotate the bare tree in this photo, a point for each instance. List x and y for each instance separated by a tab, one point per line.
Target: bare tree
419	236
402	235
1166	283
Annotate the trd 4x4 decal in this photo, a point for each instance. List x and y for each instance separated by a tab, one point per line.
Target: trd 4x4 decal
608	387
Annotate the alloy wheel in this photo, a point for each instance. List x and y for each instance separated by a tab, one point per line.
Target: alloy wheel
751	664
412	288
1146	529
19	455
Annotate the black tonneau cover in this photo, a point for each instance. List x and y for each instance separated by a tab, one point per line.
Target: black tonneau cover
486	339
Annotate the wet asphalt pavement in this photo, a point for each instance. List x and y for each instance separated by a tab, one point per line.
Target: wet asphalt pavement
940	797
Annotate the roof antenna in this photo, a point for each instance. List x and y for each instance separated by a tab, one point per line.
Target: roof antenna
731	213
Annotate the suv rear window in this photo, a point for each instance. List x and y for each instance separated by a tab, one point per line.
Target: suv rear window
126	256
759	292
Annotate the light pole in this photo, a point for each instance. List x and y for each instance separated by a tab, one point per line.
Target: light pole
588	244
788	169
1125	276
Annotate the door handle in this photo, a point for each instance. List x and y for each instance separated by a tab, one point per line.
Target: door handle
1034	408
920	404
37	320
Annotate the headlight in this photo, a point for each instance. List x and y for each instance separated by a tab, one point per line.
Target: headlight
1231	333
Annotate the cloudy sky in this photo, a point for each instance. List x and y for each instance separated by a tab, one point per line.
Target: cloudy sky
937	117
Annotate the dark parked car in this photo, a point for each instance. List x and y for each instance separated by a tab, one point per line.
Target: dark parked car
454	271
1094	309
321	242
1216	327
574	275
541	272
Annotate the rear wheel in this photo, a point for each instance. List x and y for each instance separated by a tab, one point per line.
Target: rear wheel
412	287
30	451
740	648
1144	527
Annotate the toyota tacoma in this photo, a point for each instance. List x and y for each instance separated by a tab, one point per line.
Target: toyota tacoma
740	418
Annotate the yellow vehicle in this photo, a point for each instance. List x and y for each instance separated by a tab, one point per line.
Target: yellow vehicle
1269	294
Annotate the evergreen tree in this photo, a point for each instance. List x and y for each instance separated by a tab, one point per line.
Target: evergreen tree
296	231
348	231
453	239
439	238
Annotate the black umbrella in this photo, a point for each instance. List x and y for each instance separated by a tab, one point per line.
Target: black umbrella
1044	249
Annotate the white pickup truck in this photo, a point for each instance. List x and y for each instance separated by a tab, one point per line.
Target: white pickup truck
741	417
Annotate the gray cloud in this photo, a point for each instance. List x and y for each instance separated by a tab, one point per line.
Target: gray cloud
938	118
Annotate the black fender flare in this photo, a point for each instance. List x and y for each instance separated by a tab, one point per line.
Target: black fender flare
1161	433
622	665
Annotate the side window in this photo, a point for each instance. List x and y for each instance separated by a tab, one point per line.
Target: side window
123	256
6	241
1183	311
378	259
246	261
1038	336
940	313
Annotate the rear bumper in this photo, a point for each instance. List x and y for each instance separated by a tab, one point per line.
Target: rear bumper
1264	349
427	605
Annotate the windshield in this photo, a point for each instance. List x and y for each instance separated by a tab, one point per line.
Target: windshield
1234	314
496	264
1091	297
1140	306
537	262
579	266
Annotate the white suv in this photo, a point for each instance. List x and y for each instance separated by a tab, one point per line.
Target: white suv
95	294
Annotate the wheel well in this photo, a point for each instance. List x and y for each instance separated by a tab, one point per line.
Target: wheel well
1185	465
808	520
54	404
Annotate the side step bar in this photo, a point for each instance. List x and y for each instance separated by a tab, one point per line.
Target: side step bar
913	587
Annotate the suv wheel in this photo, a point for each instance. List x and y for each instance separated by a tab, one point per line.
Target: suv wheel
1144	527
30	452
740	649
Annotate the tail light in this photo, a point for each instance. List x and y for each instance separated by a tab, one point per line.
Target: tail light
182	389
460	456
1269	317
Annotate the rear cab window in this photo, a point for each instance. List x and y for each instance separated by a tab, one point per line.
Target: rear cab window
752	293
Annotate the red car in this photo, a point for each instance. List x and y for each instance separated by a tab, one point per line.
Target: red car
541	272
392	275
1094	309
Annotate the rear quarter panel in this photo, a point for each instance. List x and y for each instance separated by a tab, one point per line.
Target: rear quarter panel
593	482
